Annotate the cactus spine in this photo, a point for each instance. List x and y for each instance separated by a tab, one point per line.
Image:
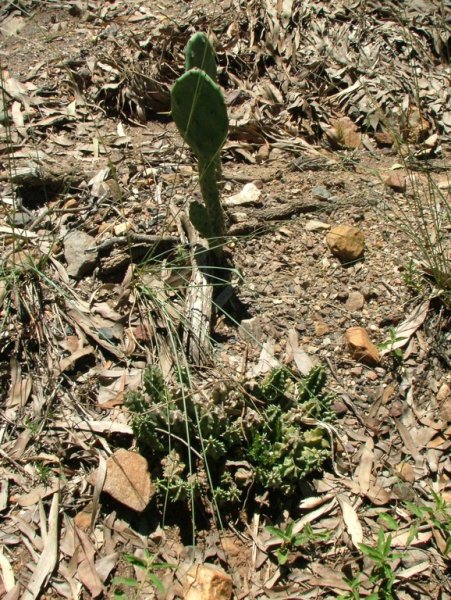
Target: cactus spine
200	114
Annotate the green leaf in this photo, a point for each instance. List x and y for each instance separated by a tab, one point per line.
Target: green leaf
135	561
154	580
128	581
282	555
417	511
389	521
280	533
372	553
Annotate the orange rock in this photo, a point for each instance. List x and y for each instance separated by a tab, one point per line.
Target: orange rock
383	138
346	242
396	182
207	582
361	347
128	479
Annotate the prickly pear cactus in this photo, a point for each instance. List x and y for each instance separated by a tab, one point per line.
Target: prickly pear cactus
199	111
200	54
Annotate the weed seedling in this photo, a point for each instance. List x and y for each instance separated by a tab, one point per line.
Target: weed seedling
292	542
389	344
437	516
148	564
382	573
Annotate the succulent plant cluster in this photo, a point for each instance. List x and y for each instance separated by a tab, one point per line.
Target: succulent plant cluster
270	448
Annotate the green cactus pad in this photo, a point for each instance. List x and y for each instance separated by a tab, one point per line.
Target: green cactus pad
199	111
200	54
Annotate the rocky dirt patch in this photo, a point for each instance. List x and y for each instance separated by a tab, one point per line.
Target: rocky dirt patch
336	189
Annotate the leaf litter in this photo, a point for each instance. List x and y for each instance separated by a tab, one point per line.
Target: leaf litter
320	94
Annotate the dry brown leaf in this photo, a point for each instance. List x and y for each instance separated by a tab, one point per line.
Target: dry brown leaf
295	353
366	466
20	387
86	570
49	556
327	577
69	361
414	570
399	539
7	573
314	515
4	486
353	525
95	426
38	493
408	441
378	495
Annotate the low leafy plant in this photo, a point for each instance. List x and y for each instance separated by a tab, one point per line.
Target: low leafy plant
356	585
148	564
389	344
294	542
224	443
382	574
437	516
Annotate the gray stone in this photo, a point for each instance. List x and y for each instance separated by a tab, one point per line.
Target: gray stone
321	193
79	261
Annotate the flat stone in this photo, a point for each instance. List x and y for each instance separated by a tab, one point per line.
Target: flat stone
346	242
250	330
248	195
128	479
355	301
314	225
207	582
18	218
443	393
361	347
79	261
321	193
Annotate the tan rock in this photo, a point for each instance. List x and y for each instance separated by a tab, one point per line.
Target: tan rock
445	410
344	133
361	347
321	328
315	225
396	182
346	242
250	330
355	301
128	479
207	582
